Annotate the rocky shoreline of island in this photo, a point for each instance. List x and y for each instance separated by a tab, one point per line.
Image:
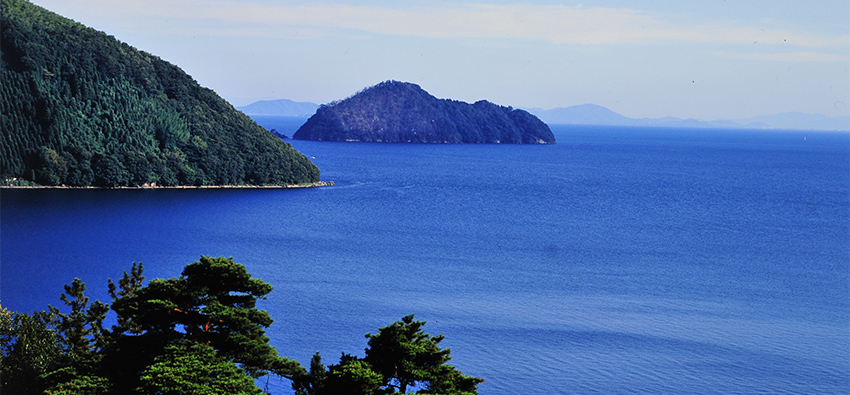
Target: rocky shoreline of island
154	186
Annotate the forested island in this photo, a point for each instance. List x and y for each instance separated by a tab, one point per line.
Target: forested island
200	333
80	108
402	112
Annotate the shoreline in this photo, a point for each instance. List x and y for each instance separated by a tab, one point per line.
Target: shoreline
154	186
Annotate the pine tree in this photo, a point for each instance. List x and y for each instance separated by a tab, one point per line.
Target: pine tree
29	348
400	357
312	383
82	329
191	368
130	285
404	354
65	85
213	302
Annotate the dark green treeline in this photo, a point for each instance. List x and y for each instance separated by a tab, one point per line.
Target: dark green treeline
201	333
79	108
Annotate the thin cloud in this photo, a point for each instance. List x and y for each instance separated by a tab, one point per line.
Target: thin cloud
557	24
806	56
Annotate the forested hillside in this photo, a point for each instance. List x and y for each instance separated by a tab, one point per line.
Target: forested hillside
401	112
79	108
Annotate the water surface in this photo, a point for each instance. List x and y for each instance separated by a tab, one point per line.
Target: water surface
620	260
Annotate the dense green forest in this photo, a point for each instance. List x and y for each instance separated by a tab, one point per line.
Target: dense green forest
200	333
401	112
79	108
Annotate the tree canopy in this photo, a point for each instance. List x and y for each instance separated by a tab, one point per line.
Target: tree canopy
200	333
213	302
80	108
201	330
192	368
400	357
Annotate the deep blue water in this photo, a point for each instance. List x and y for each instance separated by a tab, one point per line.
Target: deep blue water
620	260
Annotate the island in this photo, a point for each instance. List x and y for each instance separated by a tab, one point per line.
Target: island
402	112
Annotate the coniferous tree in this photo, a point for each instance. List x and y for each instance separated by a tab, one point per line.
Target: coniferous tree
201	333
353	376
81	333
406	356
81	385
67	88
213	302
29	348
81	330
190	368
313	382
130	285
400	357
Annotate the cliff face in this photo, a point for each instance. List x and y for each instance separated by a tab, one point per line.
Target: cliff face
81	108
400	112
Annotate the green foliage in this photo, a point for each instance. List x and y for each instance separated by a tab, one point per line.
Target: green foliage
405	356
201	333
29	348
399	357
130	285
313	382
353	377
81	330
395	111
81	385
82	336
447	379
213	302
79	108
191	368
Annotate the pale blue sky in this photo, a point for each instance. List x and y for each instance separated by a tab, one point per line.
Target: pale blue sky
711	59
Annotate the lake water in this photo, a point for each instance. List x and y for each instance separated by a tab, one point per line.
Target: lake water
620	260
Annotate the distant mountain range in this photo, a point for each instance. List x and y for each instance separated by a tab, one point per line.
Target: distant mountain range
280	107
798	120
591	114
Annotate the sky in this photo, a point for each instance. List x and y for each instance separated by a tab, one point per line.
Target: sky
708	60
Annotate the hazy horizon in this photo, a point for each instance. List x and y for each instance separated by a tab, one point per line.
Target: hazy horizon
709	60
